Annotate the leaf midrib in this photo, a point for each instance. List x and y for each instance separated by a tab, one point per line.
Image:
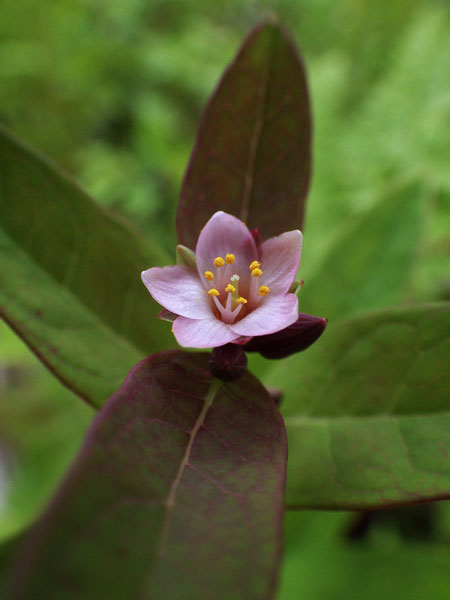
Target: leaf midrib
169	504
64	290
255	137
39	161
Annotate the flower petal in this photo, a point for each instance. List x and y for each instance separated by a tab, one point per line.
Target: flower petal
178	289
204	333
280	258
224	234
273	314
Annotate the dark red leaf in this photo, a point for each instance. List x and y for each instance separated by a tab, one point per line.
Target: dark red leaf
176	494
252	156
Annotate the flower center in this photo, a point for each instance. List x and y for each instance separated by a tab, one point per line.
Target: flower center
226	296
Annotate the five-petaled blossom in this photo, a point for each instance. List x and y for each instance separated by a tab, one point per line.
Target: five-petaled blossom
236	291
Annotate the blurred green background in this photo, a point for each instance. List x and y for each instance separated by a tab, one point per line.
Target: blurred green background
113	89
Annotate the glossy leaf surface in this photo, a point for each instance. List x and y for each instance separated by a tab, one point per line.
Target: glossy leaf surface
252	153
70	276
177	493
367	411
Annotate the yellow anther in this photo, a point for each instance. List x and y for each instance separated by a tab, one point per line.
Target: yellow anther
230	258
263	290
256	272
214	292
254	265
241	300
219	262
230	288
209	275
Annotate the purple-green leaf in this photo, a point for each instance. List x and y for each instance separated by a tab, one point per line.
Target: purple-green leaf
70	276
176	494
252	156
367	411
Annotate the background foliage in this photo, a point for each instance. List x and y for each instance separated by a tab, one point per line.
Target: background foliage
113	92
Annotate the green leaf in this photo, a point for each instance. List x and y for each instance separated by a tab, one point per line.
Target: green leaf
177	493
70	276
369	265
252	156
367	411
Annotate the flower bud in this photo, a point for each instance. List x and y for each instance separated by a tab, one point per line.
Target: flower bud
228	362
296	287
295	338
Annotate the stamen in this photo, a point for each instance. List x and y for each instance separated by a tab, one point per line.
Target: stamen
214	292
230	258
227	314
219	262
209	275
236	311
256	272
254	265
263	290
228	304
241	300
230	288
221	309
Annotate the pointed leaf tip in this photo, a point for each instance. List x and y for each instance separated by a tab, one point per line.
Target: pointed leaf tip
252	155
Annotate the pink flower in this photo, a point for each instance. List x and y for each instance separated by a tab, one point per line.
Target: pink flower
237	290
